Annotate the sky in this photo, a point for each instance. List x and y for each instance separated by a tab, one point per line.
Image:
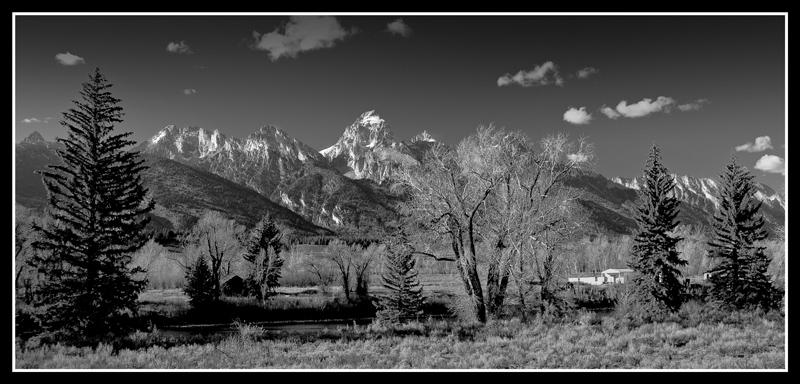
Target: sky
702	88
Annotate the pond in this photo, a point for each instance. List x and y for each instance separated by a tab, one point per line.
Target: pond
273	327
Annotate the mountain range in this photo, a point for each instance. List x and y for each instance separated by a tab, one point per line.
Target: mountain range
341	189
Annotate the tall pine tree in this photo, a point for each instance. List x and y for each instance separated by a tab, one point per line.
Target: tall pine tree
264	252
657	286
98	204
740	279
404	300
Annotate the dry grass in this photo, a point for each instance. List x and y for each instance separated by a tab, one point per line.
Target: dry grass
604	344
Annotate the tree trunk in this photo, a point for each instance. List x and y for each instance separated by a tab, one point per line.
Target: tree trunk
496	284
467	268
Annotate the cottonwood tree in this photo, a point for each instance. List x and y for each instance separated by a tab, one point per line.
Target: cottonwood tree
362	267
538	214
219	240
263	251
496	188
97	206
352	264
740	279
656	261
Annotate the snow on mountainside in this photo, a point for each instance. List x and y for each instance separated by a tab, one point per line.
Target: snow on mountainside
260	161
367	149
695	190
700	201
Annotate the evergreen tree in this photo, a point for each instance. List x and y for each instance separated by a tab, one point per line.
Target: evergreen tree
200	283
657	284
740	279
404	300
263	251
97	203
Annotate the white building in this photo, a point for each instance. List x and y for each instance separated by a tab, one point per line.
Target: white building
609	276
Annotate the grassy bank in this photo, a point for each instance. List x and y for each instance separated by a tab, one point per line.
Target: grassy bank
744	341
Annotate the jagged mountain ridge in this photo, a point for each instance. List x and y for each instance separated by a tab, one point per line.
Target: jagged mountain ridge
699	197
260	161
276	166
182	193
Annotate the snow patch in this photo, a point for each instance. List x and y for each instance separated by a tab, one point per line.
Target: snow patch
158	136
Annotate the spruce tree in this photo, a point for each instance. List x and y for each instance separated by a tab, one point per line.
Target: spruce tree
404	300
657	286
200	283
98	206
740	279
263	250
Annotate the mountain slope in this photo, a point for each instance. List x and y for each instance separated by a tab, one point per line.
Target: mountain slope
328	198
182	193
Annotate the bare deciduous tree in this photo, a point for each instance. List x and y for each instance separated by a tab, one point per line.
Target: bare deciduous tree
219	239
353	263
499	189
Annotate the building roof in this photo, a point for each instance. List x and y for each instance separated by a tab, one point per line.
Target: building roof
229	278
618	270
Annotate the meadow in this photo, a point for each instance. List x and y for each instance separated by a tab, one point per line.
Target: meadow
596	333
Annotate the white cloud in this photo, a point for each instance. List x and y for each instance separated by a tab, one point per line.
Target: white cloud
189	91
180	47
771	164
69	59
300	34
693	106
544	74
399	27
586	72
645	107
32	120
761	143
577	116
577	157
610	112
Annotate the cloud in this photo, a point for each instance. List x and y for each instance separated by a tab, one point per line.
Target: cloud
577	116
586	72
179	48
544	74
693	106
611	113
69	59
577	157
33	120
399	27
189	91
645	107
771	164
300	34
761	143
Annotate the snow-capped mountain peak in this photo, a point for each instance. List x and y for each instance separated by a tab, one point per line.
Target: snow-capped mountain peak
424	136
34	138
